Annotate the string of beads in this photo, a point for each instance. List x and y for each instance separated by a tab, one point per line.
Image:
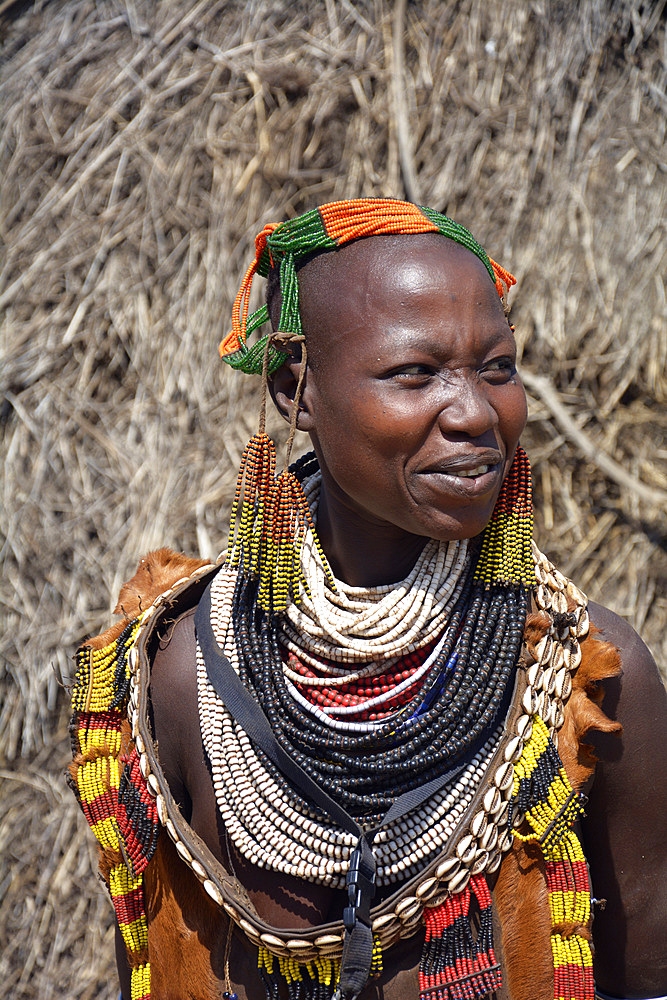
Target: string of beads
112	792
324	229
542	790
362	701
269	822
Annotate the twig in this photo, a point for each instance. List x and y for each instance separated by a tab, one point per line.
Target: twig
405	154
542	387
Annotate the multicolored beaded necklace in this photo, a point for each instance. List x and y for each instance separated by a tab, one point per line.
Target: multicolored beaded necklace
365	766
441	737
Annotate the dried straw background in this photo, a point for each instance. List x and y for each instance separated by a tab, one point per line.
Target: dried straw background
141	146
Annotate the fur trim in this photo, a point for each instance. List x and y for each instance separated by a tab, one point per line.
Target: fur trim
156	572
599	661
520	894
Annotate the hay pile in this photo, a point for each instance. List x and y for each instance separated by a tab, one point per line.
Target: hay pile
141	147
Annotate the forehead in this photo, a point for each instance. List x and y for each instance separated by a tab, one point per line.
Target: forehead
375	288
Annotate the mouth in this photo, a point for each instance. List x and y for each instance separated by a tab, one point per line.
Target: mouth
467	466
479	470
468	475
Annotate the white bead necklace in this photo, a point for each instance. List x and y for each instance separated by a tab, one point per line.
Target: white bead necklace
272	827
357	625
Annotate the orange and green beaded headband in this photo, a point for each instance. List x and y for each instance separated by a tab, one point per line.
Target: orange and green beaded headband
327	228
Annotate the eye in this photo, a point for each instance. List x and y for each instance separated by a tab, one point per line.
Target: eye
416	372
499	370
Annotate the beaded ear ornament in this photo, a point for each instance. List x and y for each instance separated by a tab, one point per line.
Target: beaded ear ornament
270	515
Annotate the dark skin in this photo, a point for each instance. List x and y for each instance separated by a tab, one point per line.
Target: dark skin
414	407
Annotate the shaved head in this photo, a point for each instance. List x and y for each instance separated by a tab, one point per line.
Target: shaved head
326	280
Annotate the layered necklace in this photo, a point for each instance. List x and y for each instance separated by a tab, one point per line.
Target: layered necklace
394	728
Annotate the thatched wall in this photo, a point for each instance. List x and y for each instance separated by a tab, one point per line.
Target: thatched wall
141	147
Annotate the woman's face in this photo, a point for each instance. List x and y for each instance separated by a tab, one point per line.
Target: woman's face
412	397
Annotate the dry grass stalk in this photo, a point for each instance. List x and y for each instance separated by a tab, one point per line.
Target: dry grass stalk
141	146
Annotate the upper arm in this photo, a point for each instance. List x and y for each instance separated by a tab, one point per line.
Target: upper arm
625	830
173	699
179	745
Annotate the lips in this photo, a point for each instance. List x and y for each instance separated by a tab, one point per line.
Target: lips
467	465
468	475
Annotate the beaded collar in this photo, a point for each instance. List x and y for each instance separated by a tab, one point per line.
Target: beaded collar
481	836
272	826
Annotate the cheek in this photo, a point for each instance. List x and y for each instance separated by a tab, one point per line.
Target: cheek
513	413
357	422
363	443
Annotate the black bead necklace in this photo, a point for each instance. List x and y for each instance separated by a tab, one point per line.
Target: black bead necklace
365	772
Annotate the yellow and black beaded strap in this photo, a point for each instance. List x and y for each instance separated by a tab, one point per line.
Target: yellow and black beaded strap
111	790
542	790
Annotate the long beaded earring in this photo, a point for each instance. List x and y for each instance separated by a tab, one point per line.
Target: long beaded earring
272	512
247	525
506	557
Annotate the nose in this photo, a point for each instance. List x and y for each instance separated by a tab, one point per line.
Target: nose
466	410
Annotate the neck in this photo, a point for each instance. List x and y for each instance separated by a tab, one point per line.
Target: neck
363	552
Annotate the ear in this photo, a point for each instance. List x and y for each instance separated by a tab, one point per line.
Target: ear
282	386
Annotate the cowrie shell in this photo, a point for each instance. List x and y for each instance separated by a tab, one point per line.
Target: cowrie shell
406	904
504	776
513	749
479	824
427	889
459	881
525	727
447	868
479	863
464	846
491	801
212	889
490	838
183	851
535	675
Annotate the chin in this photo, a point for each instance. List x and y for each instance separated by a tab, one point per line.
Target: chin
456	530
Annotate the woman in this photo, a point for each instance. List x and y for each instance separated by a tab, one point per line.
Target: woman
357	716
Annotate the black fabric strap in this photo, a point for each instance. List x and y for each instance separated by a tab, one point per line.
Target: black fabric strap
242	706
239	702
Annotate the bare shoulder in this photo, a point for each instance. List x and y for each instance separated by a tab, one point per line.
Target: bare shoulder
637	698
173	700
624	831
638	662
